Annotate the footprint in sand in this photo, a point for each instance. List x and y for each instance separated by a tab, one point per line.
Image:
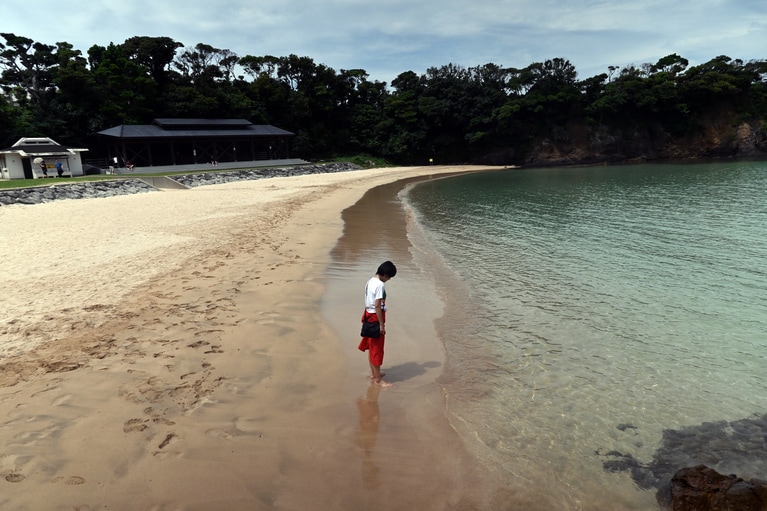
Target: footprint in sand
134	426
168	439
71	481
225	434
208	332
62	400
14	477
199	344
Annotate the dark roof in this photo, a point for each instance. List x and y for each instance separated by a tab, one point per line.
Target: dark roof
194	128
47	149
167	124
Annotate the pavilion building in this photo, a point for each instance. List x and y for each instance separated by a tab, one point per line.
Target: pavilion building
174	142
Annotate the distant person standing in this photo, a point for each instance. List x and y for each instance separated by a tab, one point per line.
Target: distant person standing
44	168
59	168
375	312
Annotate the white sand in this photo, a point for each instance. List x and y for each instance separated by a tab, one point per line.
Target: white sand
167	351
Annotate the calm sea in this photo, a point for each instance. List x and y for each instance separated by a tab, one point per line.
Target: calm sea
604	326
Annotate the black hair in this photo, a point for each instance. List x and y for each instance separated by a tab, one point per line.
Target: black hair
387	269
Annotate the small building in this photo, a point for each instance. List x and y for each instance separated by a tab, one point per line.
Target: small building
194	141
24	159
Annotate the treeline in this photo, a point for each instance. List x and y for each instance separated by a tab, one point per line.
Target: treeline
488	113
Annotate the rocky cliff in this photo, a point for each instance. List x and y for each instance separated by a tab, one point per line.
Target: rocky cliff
717	138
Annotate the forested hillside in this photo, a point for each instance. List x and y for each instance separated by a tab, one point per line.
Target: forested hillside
541	114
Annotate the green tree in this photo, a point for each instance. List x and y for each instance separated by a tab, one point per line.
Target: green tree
27	70
74	104
124	89
27	81
156	54
404	130
544	97
205	85
364	113
12	123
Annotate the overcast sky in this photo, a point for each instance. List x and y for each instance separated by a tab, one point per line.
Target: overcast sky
388	37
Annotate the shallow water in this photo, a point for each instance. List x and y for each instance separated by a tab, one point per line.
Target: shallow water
590	310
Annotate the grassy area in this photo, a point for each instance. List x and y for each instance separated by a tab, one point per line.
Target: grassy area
364	161
27	183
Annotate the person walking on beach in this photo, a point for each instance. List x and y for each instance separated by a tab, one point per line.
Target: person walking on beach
375	312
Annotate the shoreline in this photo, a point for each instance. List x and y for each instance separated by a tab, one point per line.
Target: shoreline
198	371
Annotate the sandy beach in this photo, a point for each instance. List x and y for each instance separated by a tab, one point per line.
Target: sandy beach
195	350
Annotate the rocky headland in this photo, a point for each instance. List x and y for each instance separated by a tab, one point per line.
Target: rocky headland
581	144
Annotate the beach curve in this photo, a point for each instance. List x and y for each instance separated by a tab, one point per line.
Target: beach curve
168	350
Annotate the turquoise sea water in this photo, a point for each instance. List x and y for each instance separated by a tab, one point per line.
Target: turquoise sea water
604	326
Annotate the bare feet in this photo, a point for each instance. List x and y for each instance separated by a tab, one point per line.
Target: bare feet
383	384
372	376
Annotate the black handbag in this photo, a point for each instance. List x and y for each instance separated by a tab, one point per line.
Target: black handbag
371	329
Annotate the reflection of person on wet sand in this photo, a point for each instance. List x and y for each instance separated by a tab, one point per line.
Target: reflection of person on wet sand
375	312
368	433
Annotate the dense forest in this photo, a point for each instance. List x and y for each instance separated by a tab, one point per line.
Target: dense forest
541	114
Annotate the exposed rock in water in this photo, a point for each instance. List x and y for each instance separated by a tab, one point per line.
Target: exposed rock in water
701	488
737	447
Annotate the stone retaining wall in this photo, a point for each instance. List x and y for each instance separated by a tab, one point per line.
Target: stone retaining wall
66	189
214	178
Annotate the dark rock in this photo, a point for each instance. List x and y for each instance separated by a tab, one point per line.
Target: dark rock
74	190
210	178
727	446
584	144
701	488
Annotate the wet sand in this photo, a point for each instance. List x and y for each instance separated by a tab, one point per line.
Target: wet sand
196	350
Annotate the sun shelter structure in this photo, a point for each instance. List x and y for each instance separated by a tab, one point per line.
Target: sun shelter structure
194	141
23	159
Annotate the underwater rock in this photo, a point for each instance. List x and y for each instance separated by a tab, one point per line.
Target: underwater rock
736	447
701	488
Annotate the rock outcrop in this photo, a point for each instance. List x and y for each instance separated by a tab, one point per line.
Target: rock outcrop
579	144
701	488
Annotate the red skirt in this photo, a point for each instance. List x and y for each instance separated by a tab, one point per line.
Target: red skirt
374	346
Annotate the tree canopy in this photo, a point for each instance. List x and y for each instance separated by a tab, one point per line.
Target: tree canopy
449	113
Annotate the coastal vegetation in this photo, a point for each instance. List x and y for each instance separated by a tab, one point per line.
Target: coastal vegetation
540	114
